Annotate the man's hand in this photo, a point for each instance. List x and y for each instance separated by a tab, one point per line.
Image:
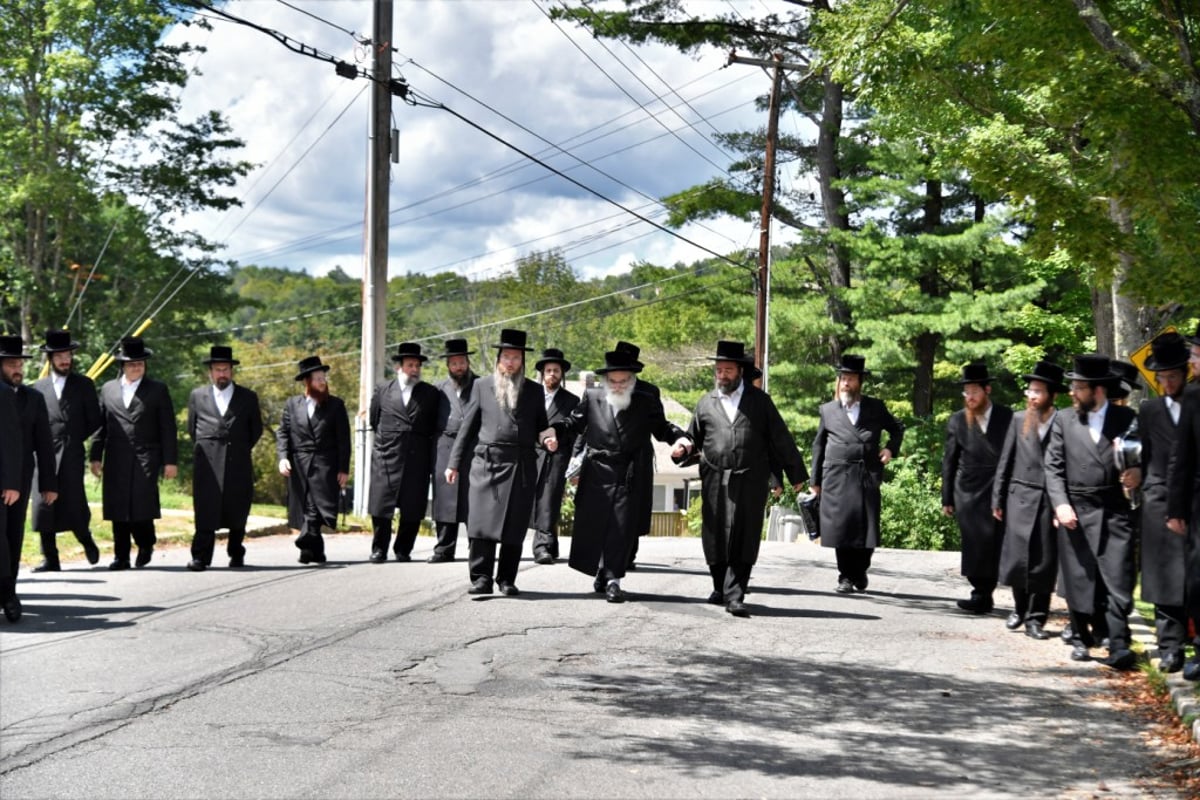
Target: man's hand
96	468
285	468
1065	515
885	456
170	471
998	513
1131	478
817	490
798	487
682	447
1177	525
49	497
10	496
549	439
342	478
451	475
948	511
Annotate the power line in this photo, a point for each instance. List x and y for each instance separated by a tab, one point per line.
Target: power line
360	39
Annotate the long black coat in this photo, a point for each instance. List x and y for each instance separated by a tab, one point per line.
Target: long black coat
504	462
11	443
73	418
607	496
450	503
223	473
1029	553
134	443
1162	552
846	467
1082	473
402	458
318	449
552	467
736	461
968	475
1183	488
643	487
38	449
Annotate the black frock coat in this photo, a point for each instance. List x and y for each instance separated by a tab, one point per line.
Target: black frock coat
1029	552
318	449
223	470
73	418
968	475
11	442
1082	473
450	503
504	462
606	500
1183	489
736	462
552	467
402	457
1162	552
134	443
846	467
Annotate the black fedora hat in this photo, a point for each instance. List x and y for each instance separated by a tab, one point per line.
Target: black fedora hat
1124	381
633	350
1168	351
409	350
853	363
1091	368
976	372
729	351
512	339
12	347
552	355
618	361
310	365
220	354
1048	373
133	349
456	347
58	341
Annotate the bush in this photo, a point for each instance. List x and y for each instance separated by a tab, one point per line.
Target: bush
911	516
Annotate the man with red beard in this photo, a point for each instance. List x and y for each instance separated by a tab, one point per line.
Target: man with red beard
313	446
1029	552
974	436
1087	491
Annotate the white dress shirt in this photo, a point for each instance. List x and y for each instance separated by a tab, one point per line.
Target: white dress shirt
549	398
405	393
1096	422
852	411
1173	408
985	419
128	390
730	402
310	405
60	381
1045	426
222	397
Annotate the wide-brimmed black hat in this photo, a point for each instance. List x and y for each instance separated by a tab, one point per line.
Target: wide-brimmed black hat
619	361
455	347
1048	373
853	363
976	372
58	341
633	350
220	354
729	351
1092	368
552	355
133	349
409	350
1124	381
1168	351
511	339
12	347
310	365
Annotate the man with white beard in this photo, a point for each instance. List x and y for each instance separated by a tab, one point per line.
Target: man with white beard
615	422
508	416
404	416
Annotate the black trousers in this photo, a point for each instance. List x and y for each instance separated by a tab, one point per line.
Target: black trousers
982	587
1090	629
405	538
482	563
1031	607
853	562
447	538
140	531
205	542
50	543
545	542
730	579
633	550
1171	627
12	537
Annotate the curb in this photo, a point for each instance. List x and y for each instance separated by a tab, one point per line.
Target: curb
1183	693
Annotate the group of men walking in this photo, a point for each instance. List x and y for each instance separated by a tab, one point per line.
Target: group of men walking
1080	498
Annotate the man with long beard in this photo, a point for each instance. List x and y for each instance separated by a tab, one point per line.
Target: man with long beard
615	422
552	467
974	436
450	503
74	410
1087	493
313	446
1183	498
1029	552
509	418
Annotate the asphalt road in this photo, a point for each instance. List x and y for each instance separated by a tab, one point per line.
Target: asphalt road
360	680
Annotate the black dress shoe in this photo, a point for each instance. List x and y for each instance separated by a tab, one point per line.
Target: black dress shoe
614	594
143	557
1034	630
378	557
737	608
47	566
860	585
1120	659
196	565
12	609
440	558
1171	662
236	562
1067	634
481	586
403	558
1191	670
91	551
844	586
319	558
599	585
119	564
1014	621
508	589
543	558
1079	652
976	605
306	557
632	567
716	598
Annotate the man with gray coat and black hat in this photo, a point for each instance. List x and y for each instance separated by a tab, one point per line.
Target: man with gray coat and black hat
450	502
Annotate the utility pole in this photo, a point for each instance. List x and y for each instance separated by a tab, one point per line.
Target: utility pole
375	266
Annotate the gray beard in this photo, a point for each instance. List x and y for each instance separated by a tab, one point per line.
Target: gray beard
407	381
848	398
508	390
619	402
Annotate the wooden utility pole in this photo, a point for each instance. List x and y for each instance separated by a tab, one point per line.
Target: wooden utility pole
375	266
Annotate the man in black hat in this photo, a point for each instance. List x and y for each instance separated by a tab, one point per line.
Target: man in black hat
739	437
404	416
1183	498
136	442
643	498
1163	552
508	416
225	422
615	422
74	412
1029	551
974	436
1088	494
1124	384
848	461
313	446
36	445
450	503
552	367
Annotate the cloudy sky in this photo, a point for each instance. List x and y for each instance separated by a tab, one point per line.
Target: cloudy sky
459	200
